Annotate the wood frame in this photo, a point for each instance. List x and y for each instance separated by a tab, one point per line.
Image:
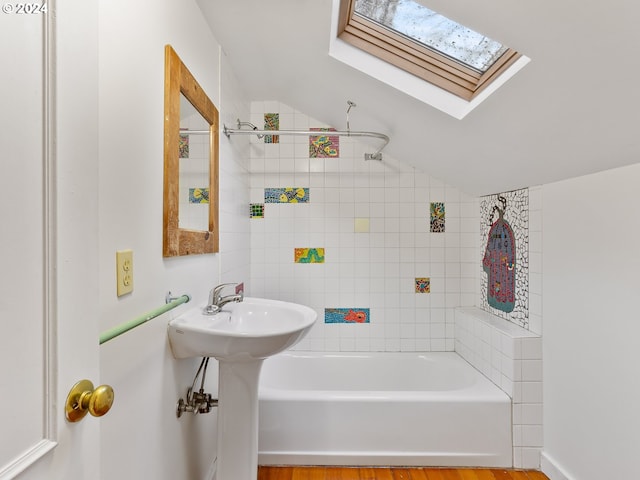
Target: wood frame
413	58
178	241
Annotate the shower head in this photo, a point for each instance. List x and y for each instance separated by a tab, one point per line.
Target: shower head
351	105
249	124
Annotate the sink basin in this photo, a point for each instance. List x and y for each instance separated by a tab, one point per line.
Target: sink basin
255	328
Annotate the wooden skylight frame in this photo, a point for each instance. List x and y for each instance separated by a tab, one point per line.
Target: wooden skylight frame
415	58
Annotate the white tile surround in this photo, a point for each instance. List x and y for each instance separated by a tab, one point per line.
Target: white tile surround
373	269
511	357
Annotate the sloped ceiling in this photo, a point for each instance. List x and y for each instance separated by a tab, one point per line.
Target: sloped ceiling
574	109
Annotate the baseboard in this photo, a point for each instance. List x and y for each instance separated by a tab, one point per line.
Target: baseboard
551	468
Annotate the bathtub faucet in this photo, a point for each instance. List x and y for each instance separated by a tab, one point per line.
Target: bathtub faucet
217	301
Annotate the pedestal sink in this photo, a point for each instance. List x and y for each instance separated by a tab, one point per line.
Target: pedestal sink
240	337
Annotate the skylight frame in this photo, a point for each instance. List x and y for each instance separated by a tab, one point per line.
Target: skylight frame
415	58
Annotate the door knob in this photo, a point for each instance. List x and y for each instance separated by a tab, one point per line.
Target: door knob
84	398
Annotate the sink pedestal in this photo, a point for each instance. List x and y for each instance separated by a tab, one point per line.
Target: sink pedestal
240	337
238	419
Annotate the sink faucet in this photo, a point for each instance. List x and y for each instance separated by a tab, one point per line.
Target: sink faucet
217	301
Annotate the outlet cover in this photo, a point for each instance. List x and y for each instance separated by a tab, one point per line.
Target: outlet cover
124	272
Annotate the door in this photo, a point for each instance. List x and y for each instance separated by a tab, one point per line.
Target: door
49	239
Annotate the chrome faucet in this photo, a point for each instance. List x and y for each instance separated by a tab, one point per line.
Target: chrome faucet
217	301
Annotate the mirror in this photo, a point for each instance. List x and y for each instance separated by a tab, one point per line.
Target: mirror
191	130
194	169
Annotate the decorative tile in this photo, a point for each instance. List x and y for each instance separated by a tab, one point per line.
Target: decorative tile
437	217
183	146
499	263
346	315
361	225
423	285
324	146
256	210
286	195
272	122
199	195
514	206
308	255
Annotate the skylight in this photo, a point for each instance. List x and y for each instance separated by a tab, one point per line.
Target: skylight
433	30
422	42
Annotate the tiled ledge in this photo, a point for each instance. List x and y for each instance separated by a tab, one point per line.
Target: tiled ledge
511	357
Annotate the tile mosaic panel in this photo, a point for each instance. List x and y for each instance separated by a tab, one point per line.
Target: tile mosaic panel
183	146
272	122
308	255
199	195
499	263
286	195
437	217
515	209
256	210
423	285
346	315
324	146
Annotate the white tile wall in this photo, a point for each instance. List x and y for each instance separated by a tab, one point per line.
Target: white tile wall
512	358
374	269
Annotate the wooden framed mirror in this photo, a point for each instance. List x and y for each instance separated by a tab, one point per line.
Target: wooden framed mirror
191	132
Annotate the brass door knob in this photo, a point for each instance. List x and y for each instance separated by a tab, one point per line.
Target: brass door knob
84	398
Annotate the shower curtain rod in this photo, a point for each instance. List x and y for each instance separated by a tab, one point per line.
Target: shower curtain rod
377	155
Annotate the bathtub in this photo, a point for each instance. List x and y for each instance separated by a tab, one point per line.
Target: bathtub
411	409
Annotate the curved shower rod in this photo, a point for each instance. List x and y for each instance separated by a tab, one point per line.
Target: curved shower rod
377	155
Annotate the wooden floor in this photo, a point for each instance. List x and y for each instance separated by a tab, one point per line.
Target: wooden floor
394	473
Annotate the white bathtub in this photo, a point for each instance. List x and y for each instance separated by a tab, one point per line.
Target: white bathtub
413	409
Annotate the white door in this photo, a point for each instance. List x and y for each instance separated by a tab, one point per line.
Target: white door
49	239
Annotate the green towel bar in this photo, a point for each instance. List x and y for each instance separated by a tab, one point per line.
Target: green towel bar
131	324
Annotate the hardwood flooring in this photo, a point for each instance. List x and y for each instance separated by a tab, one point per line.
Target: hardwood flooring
394	473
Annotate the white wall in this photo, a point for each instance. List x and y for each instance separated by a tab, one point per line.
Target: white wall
591	238
141	436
